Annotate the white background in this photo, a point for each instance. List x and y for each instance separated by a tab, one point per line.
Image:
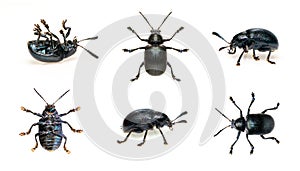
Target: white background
271	83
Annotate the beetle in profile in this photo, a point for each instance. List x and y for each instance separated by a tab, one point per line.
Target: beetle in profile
51	49
50	131
155	55
253	124
256	39
142	120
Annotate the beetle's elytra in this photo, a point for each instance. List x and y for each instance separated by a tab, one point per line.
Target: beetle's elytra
50	131
253	124
155	55
51	49
142	120
256	39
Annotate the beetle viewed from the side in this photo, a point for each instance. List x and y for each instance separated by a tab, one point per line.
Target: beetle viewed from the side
256	39
50	131
253	124
155	55
51	49
142	120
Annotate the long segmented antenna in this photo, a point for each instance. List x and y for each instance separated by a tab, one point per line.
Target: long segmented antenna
91	53
217	34
164	20
146	20
40	96
61	96
223	115
90	38
182	121
222	130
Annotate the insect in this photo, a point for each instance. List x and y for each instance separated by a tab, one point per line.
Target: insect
155	55
253	124
142	120
256	39
52	49
50	126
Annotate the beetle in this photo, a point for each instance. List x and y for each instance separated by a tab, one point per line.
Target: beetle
52	49
155	55
142	120
50	131
253	124
256	39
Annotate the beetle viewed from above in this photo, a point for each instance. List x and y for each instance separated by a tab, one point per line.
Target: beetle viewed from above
253	124
142	120
51	49
256	39
155	55
50	126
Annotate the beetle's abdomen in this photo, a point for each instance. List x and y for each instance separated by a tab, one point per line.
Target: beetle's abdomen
155	60
259	124
264	39
50	141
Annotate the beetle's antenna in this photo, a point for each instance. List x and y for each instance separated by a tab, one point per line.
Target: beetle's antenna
90	38
217	34
164	20
222	130
223	48
40	95
91	53
182	121
146	20
61	96
223	115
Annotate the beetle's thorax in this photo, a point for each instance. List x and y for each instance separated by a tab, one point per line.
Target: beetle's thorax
155	38
239	124
50	111
162	120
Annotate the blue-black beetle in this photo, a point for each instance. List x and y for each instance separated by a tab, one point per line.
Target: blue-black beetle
50	50
253	124
155	56
142	120
256	38
50	126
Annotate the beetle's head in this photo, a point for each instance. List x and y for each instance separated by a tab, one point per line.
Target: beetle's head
162	120
241	41
239	124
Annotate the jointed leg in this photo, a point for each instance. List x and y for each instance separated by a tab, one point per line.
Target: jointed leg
178	50
70	111
254	56
129	28
181	28
138	75
36	142
118	141
26	110
173	76
268	58
144	139
66	28
131	50
252	147
28	132
241	113
272	138
253	98
274	108
74	130
238	62
165	141
237	138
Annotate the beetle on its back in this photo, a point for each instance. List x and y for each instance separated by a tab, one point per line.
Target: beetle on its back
257	39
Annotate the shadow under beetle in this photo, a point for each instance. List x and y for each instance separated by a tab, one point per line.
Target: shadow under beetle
50	126
155	55
253	124
256	38
51	50
142	120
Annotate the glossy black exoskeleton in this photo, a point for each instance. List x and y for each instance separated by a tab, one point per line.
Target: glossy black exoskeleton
253	124
142	120
50	50
50	126
257	39
155	56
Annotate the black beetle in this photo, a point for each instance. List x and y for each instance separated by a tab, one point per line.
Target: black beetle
254	124
142	120
50	126
155	56
50	50
256	38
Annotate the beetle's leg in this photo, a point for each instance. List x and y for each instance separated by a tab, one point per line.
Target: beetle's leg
36	142
252	147
63	136
253	99
238	62
28	132
66	28
26	110
138	75
272	138
178	50
63	35
237	138
254	56
74	130
144	139
118	141
173	76
72	110
165	141
273	108
268	58
131	50
241	113
181	28
129	28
